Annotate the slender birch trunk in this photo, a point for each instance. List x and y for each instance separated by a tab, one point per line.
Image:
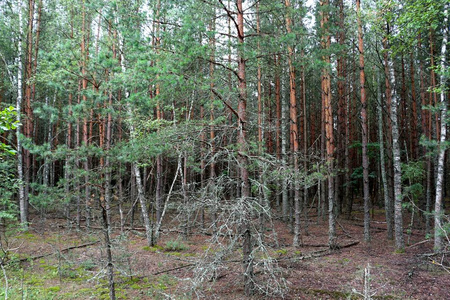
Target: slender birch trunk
23	207
398	210
137	172
438	210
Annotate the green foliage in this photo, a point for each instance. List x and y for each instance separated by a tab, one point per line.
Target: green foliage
8	182
7	122
413	174
175	245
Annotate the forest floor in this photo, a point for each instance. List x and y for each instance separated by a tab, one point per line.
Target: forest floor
54	261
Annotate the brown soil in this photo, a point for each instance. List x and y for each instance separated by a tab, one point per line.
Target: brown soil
311	271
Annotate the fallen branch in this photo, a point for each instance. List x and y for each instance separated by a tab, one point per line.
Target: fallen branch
343	229
62	250
173	269
419	243
349	245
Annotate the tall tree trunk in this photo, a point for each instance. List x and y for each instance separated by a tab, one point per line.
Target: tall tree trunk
261	193
341	157
328	121
212	169
365	158
426	119
391	94
28	121
293	126
387	197
414	130
23	207
242	115
84	81
159	162
438	211
433	94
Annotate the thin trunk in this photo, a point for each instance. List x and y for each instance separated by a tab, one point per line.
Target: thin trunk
77	161
293	128
107	231
261	195
414	130
438	209
142	201
341	116
135	169
365	158
242	115
159	162
67	167
259	83
328	122
23	207
28	121
433	94
278	105
398	213
387	198
84	57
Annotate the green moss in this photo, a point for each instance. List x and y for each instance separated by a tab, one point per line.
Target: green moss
399	251
152	249
135	286
26	235
53	289
281	251
35	280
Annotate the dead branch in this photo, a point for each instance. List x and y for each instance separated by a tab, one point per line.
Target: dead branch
419	243
173	269
62	250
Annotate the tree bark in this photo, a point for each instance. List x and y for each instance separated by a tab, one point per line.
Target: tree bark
28	121
438	209
293	127
328	121
391	94
242	115
23	207
387	197
364	129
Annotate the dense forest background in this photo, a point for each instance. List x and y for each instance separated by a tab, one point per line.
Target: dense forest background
225	116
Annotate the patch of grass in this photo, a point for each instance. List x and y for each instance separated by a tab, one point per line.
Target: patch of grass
53	289
317	293
28	236
153	249
88	265
35	280
175	245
